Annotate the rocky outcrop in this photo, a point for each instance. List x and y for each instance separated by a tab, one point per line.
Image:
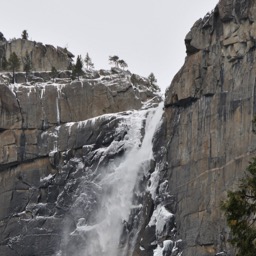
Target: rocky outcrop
43	57
210	106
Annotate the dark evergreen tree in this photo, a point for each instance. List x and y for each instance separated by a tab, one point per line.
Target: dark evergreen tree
70	66
88	61
4	63
54	73
240	211
13	64
114	60
122	64
24	35
152	79
27	64
78	68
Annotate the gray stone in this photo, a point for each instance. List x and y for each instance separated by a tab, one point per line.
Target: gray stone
43	57
211	140
201	149
46	127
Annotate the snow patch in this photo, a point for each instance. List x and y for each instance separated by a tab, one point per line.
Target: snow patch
47	178
159	218
168	248
153	183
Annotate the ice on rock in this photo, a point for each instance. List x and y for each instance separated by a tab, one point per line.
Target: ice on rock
168	248
47	178
118	179
159	218
153	183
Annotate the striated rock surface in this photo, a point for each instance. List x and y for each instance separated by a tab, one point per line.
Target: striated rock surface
43	57
210	106
28	109
57	139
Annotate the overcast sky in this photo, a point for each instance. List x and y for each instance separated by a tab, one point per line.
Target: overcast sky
147	34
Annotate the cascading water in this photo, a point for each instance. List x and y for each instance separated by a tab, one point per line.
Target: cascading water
116	183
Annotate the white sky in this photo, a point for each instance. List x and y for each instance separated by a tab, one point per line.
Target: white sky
147	34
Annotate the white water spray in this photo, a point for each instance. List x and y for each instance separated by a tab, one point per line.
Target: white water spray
118	185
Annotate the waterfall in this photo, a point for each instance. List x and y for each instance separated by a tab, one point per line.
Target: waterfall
117	183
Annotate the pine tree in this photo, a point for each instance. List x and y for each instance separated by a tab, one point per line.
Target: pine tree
27	64
24	35
114	60
4	63
240	211
54	73
13	64
88	61
152	79
70	66
78	68
122	64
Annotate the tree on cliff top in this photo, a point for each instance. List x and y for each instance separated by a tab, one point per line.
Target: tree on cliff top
240	211
114	60
24	35
152	81
122	64
88	61
77	70
152	78
13	64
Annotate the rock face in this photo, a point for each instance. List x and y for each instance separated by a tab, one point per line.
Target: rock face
208	123
55	137
27	109
43	57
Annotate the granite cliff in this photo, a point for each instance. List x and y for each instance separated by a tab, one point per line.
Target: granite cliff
43	57
206	139
56	138
210	106
59	139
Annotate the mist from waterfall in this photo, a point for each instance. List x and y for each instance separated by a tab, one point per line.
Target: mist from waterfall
117	184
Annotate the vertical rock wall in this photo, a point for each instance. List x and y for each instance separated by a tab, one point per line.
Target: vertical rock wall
209	110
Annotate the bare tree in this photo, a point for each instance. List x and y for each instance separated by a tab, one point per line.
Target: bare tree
122	64
114	60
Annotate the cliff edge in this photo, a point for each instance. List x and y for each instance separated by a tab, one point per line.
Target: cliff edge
210	106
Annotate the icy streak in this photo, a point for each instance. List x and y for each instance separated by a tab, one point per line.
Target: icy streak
117	204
